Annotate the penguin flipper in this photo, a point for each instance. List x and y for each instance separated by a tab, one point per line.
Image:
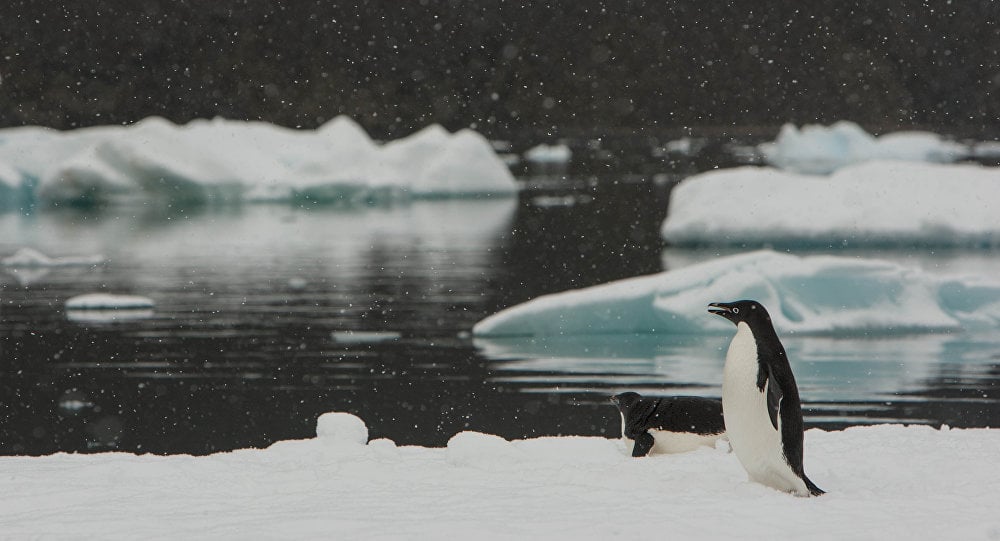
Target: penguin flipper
774	396
643	443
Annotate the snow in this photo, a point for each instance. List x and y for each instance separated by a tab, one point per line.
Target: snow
826	295
873	203
917	482
545	153
817	149
155	160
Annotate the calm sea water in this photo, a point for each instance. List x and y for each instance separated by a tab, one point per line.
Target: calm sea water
267	316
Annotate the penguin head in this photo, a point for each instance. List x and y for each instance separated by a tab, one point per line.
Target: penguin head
745	311
625	401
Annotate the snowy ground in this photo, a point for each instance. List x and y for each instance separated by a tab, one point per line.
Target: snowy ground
884	482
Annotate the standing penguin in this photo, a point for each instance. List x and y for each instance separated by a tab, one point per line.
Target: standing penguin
673	424
760	401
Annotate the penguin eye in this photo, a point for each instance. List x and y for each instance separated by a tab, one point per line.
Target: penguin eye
736	310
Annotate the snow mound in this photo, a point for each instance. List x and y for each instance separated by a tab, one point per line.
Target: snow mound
107	301
817	149
815	295
222	161
875	203
338	427
483	450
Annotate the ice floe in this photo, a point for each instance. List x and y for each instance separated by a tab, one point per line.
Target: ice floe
224	161
546	153
826	295
817	149
874	203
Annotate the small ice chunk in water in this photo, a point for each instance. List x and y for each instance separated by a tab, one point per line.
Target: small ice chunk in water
364	337
108	301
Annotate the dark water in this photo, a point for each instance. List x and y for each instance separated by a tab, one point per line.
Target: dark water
267	316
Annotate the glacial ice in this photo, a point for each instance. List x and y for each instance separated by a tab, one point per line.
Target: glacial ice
222	161
823	295
819	150
869	204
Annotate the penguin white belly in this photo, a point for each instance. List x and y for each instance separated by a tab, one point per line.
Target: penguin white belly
754	439
667	442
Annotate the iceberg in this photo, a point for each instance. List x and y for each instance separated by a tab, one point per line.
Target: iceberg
869	204
820	150
225	161
821	295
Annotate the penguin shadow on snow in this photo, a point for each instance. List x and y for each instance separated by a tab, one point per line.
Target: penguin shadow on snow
760	401
669	424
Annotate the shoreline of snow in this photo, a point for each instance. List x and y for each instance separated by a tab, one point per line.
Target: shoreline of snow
878	478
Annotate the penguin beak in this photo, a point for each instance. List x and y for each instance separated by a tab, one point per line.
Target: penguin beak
720	309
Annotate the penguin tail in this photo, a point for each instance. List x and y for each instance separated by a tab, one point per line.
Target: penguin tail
813	489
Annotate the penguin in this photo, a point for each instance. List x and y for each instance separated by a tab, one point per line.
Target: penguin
669	425
760	401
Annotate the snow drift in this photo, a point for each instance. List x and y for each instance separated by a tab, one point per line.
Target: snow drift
816	295
817	149
220	161
884	478
871	204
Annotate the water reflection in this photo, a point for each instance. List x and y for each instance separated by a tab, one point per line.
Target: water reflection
267	316
831	372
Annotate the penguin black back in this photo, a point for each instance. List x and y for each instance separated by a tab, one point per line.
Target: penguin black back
674	415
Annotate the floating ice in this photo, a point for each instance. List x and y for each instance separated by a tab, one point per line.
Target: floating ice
218	161
545	153
817	149
108	308
816	295
365	337
888	478
107	301
875	203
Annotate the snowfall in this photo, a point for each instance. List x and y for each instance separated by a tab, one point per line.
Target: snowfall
883	481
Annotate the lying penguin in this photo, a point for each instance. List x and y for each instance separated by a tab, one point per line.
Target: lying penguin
669	425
